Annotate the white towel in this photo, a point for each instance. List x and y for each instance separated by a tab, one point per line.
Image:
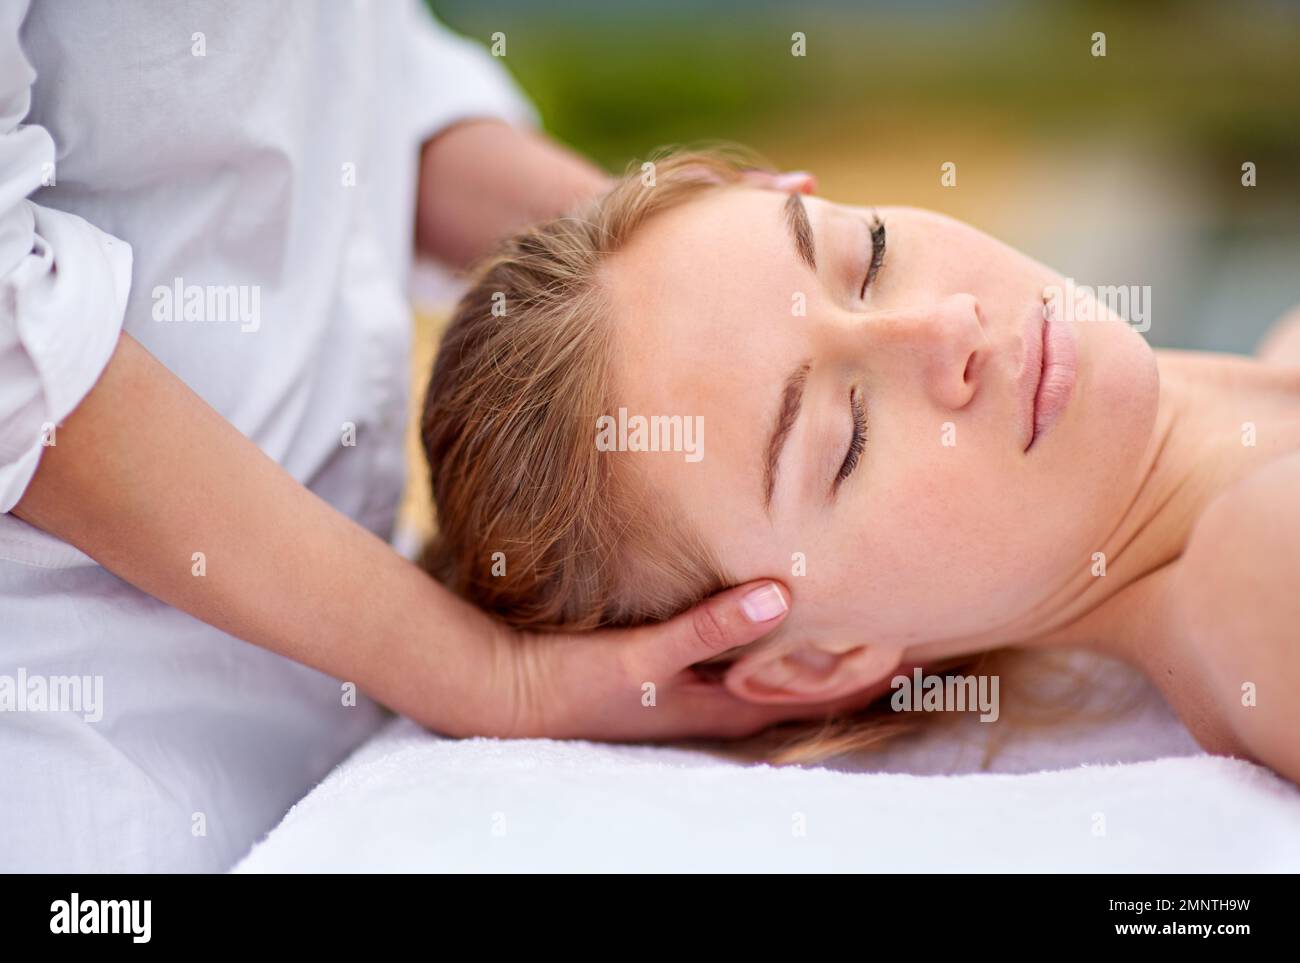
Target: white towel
410	801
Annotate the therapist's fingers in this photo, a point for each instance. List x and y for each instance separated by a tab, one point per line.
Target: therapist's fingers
788	182
725	621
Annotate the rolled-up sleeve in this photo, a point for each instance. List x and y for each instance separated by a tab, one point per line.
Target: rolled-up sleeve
455	79
63	283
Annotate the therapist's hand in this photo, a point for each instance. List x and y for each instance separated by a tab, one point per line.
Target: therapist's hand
787	182
638	684
481	180
286	571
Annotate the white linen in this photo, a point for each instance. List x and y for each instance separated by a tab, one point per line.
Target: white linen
411	801
267	146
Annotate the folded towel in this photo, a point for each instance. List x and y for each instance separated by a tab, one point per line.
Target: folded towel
409	800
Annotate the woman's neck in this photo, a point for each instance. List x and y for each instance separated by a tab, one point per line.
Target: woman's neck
1219	419
1200	445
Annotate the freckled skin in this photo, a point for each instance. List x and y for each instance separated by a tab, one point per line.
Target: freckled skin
933	550
925	542
1238	591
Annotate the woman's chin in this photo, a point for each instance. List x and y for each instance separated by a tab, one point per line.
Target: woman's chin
1113	408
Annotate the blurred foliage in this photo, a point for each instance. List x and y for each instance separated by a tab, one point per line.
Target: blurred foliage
616	79
1125	168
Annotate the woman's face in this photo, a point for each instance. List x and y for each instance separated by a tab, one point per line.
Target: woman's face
747	308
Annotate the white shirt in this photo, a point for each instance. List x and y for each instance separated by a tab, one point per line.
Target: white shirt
252	167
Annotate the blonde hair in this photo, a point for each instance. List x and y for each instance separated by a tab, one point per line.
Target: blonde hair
508	430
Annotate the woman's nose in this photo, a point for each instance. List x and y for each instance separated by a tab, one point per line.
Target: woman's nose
943	342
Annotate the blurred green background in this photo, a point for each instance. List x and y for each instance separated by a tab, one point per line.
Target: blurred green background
1123	169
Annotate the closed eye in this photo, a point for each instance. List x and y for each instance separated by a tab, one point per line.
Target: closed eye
876	255
857	442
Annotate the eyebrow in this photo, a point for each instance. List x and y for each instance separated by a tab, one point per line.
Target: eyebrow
791	402
796	219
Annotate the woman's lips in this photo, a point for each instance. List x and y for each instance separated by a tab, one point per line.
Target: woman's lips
1051	365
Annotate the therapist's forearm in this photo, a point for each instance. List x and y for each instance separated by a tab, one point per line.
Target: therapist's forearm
144	474
481	180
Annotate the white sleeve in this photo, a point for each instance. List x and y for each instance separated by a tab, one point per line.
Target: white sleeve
63	283
455	79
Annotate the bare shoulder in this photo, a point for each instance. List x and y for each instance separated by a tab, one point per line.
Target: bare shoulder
1281	343
1239	593
1239	578
1258	513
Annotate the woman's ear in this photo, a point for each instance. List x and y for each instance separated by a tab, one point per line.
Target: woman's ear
809	672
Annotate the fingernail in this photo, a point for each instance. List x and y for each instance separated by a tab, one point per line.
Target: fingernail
763	604
789	180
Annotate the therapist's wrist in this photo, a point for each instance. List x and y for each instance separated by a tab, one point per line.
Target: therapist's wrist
491	695
436	658
483	179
